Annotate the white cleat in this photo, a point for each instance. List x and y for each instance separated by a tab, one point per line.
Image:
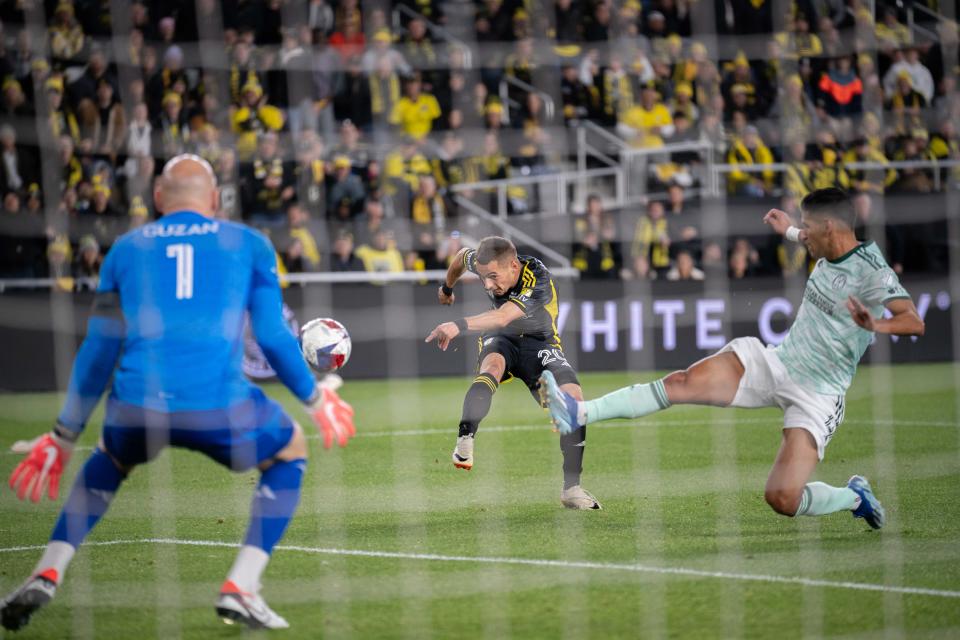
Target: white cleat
236	606
576	497
463	453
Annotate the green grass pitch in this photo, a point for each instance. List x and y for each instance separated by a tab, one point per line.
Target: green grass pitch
685	545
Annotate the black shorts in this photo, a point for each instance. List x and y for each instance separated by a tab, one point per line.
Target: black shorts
527	358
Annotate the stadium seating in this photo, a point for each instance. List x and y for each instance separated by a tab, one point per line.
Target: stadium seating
634	139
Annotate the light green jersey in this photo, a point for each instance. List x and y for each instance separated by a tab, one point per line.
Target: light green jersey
824	345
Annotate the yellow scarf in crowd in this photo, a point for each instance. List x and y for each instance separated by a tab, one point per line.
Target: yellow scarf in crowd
377	103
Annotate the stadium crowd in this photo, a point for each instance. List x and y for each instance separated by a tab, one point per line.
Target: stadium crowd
340	130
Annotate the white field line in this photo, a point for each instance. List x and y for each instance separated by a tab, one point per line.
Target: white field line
542	562
545	426
706	422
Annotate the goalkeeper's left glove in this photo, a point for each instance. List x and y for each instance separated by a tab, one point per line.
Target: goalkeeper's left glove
333	416
47	457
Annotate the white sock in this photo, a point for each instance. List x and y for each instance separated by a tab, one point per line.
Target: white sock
819	499
248	567
57	555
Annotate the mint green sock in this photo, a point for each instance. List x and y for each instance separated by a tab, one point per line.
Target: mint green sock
634	401
819	499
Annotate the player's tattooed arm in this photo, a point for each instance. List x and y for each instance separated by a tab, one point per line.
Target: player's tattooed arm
456	269
781	222
904	319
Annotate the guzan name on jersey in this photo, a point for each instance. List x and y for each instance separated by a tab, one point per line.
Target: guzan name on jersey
534	292
824	345
180	230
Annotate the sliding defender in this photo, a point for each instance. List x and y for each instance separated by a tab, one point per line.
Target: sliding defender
807	375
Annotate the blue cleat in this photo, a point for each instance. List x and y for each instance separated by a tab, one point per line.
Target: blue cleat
562	406
870	508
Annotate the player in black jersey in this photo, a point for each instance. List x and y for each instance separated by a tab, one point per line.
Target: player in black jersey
518	338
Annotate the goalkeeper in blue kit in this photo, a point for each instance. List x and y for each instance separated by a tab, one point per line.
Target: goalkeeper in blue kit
806	376
167	326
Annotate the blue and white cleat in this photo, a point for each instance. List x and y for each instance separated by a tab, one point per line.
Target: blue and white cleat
870	508
562	406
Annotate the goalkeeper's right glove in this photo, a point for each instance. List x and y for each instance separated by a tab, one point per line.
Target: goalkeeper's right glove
333	416
47	457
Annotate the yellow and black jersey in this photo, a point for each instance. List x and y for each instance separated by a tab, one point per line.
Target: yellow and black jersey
534	293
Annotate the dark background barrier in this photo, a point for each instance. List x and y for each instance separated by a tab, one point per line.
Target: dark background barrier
604	326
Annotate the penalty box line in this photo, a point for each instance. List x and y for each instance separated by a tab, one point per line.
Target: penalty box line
543	562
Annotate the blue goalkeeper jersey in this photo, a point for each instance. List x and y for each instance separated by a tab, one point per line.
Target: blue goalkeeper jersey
169	314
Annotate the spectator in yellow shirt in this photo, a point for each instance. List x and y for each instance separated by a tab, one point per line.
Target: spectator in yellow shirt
66	35
798	177
945	145
428	208
254	117
797	41
827	168
873	181
891	33
61	119
415	112
749	150
806	44
404	166
650	248
381	255
648	122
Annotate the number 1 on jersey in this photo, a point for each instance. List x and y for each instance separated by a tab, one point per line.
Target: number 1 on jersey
183	253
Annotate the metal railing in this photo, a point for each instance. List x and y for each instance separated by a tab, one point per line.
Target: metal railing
10	284
912	26
636	160
609	146
554	189
549	107
625	167
511	232
349	277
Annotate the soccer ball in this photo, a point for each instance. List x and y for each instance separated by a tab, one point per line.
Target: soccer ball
325	344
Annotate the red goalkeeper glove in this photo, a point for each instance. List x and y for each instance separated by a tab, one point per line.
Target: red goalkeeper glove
47	457
333	416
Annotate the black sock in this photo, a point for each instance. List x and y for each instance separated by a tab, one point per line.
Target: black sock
476	404
572	446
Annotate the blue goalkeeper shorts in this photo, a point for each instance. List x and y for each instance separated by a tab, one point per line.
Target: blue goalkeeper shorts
239	437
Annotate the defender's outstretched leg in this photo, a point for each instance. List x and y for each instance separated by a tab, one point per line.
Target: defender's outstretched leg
711	381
